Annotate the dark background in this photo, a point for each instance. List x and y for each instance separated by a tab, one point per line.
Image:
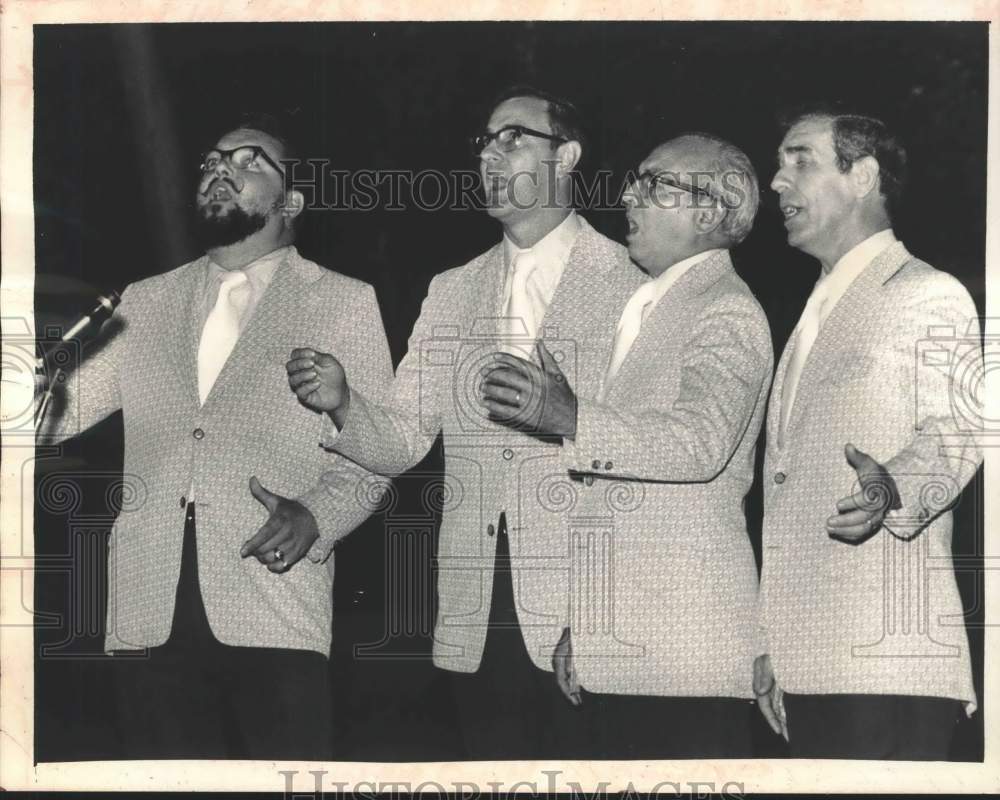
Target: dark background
123	111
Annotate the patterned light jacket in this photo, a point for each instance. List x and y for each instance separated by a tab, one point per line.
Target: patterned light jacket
667	589
489	468
893	372
250	424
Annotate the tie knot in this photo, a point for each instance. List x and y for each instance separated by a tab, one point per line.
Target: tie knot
524	262
229	284
643	295
816	303
230	279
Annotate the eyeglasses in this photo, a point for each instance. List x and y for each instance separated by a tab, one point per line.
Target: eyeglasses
508	138
239	157
655	185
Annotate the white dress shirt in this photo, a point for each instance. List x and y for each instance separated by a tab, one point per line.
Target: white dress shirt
259	275
825	295
549	255
641	305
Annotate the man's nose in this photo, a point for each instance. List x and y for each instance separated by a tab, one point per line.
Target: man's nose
222	168
779	182
490	154
629	197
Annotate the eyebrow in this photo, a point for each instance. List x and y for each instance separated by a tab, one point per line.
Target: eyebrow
513	123
794	149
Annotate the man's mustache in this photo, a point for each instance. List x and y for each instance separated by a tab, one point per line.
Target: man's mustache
225	180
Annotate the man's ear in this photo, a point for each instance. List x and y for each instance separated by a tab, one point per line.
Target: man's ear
864	176
709	218
295	204
567	157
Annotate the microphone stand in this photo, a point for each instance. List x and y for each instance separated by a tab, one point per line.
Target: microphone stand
43	407
105	307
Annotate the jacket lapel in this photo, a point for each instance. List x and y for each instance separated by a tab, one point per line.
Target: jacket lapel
774	402
273	320
588	293
671	308
487	321
843	331
185	305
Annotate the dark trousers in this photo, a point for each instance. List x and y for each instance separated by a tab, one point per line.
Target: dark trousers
509	708
194	697
624	727
880	727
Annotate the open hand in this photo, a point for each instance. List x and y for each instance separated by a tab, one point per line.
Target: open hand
522	395
861	514
287	535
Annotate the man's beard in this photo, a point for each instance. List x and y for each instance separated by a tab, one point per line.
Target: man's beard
222	229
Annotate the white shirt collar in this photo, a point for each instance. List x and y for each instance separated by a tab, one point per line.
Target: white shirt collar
259	272
551	252
662	282
848	267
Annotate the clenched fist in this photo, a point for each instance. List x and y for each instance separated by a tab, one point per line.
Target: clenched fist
320	383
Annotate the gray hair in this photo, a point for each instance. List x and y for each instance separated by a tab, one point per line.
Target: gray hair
731	179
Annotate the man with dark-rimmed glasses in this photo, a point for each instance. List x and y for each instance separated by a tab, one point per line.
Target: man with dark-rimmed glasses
220	580
677	415
546	291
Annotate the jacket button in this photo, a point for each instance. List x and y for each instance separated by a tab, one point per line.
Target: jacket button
588	480
608	465
198	433
596	464
508	454
184	502
779	477
490	530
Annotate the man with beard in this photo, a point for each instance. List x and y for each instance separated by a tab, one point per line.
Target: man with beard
502	554
233	603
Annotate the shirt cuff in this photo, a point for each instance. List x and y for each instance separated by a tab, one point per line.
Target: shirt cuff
328	432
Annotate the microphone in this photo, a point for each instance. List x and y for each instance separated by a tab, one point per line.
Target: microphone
106	305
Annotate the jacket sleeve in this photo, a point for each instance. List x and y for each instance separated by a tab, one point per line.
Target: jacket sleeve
940	356
726	360
90	391
391	435
347	493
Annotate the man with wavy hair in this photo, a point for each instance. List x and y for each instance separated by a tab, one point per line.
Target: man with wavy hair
863	650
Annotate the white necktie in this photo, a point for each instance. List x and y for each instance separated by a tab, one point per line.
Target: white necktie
222	329
520	323
629	325
807	331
